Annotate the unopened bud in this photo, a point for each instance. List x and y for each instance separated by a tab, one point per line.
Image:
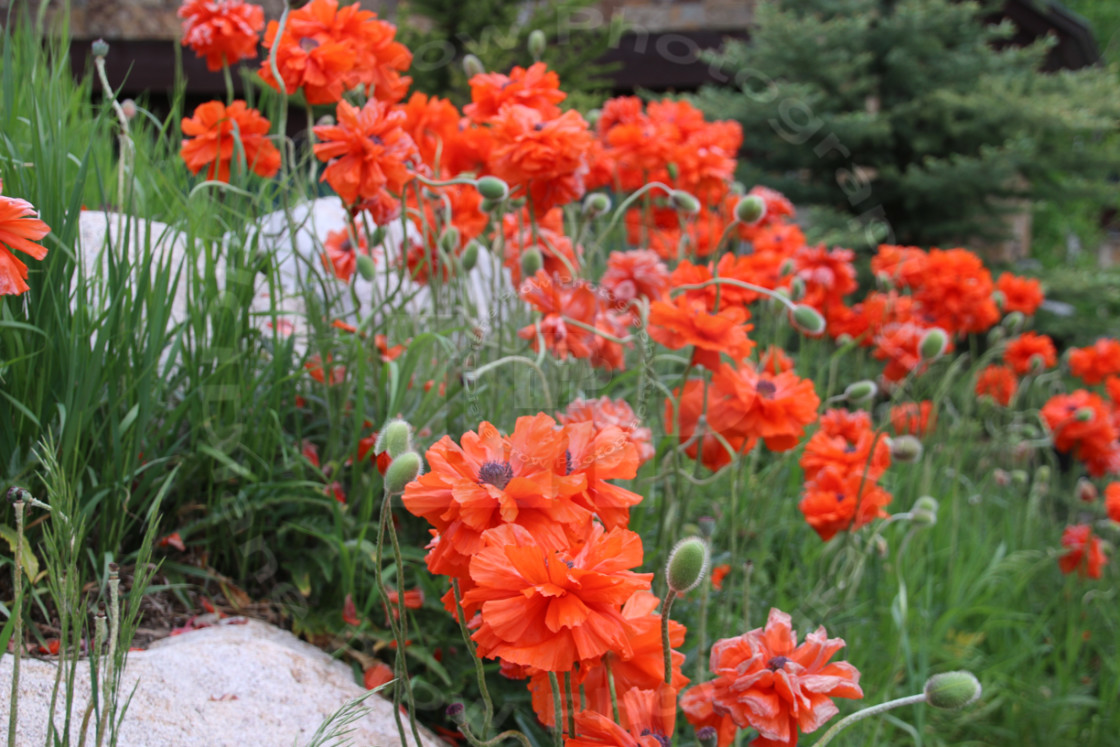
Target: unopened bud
684	202
688	562
457	713
996	334
933	344
797	289
596	204
536	44
707	736
365	265
808	319
952	690
472	66
100	48
492	188
924	512
860	391
787	266
531	262
1014	321
999	299
906	449
1084	415
592	116
750	209
1086	491
1042	474
674	172
449	239
395	438
469	257
403	470
18	495
1019	478
377	236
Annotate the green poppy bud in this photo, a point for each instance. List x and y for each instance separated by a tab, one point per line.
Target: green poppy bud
531	262
952	690
472	66
596	204
592	116
688	562
924	512
999	299
808	319
536	44
492	188
366	268
860	391
1084	415
377	236
469	257
933	344
457	713
797	289
395	438
449	239
403	470
684	202
750	209
1014	321
100	48
787	267
906	449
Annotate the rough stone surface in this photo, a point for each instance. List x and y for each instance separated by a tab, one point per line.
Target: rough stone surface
231	684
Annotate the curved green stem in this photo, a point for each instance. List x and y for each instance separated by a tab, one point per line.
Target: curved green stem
668	652
875	710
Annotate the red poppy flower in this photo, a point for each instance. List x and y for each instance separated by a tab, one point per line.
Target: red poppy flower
20	227
757	405
687	321
913	418
903	266
214	130
648	720
955	292
1028	350
836	501
545	158
775	361
711	452
546	235
340	256
222	31
551	609
1020	294
766	681
605	412
719	573
334	374
846	446
1112	501
997	382
602	454
367	151
1081	422
536	88
698	704
376	675
1093	363
635	274
1083	552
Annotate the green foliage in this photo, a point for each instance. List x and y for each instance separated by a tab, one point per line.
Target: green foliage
1091	305
913	112
441	32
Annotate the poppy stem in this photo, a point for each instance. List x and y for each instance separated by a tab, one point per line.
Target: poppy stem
17	610
557	719
487	703
670	595
610	686
874	710
569	706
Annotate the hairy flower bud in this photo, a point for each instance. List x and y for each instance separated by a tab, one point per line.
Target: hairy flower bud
366	268
395	438
952	690
472	66
469	257
808	319
684	202
707	736
492	188
924	512
1014	322
750	209
531	262
1086	490
536	44
688	562
449	239
596	204
933	344
906	449
860	391
457	713
403	470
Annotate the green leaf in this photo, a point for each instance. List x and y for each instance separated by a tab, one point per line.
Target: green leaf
30	563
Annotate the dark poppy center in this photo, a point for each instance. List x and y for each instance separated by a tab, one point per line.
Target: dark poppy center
850	449
567	461
497	474
766	389
307	44
777	663
661	738
346	246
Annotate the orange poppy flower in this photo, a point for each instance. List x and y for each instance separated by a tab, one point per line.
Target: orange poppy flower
1112	501
711	452
1028	350
488	480
757	405
997	382
433	124
602	454
222	31
367	151
782	239
334	374
648	716
211	144
644	669
20	228
828	275
544	158
837	501
913	418
376	675
1020	294
559	256
719	573
775	361
848	450
341	256
635	274
559	301
900	346
1083	552
551	609
1093	363
903	266
1081	423
536	88
605	412
319	67
686	321
765	680
413	598
698	704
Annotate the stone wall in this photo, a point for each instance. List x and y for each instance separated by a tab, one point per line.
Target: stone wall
156	19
